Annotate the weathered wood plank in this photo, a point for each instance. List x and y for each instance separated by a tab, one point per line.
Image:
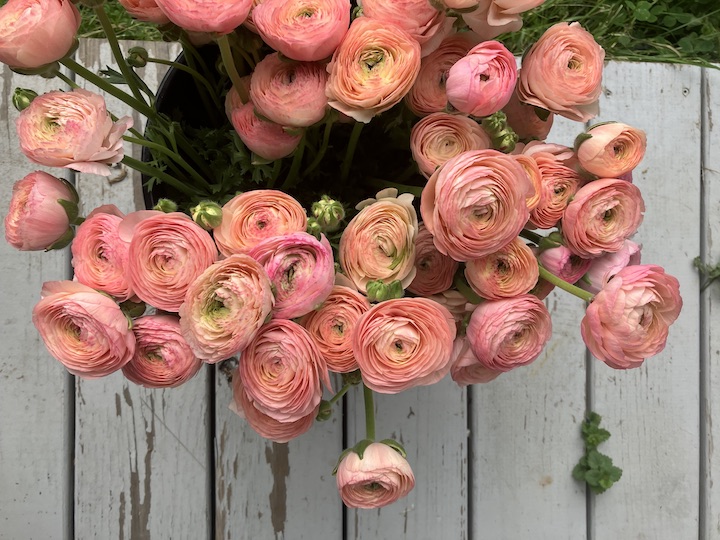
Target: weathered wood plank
652	411
34	387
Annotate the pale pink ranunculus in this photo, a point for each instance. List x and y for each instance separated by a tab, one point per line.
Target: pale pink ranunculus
466	368
558	184
455	302
373	68
145	10
481	83
379	242
510	271
379	478
562	72
71	130
233	99
427	95
253	216
289	93
491	18
476	203
34	33
331	326
267	139
602	215
249	23
225	306
35	219
434	271
167	253
441	136
403	343
524	121
563	263
306	30
217	16
606	266
612	149
84	329
301	269
505	334
162	358
282	371
628	320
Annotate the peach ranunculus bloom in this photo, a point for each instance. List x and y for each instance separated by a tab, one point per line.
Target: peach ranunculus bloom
72	130
217	16
225	307
34	33
282	371
167	253
145	10
435	271
481	83
428	95
266	139
84	329
289	93
562	72
373	68
379	478
35	219
466	369
510	271
505	334
524	121
602	215
379	242
612	149
301	269
403	343
162	358
305	30
606	266
532	169
494	17
441	136
476	203
563	263
628	320
332	324
253	216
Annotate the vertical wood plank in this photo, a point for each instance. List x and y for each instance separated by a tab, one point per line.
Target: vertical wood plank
652	411
34	388
141	455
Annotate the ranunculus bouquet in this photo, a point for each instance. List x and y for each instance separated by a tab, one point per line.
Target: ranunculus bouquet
358	188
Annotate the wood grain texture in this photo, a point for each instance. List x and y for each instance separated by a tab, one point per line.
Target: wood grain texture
34	387
652	411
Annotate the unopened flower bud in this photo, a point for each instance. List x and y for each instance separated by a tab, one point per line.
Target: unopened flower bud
166	205
502	135
325	411
137	57
133	309
329	213
22	98
313	227
378	291
207	214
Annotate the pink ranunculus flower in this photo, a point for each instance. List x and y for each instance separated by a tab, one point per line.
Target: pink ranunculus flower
145	10
267	139
510	271
249	23
612	150
404	343
606	266
603	214
71	130
628	320
167	253
505	334
35	219
34	33
217	16
532	169
162	358
476	203
305	30
331	326
441	136
373	68
466	368
562	72
233	99
289	93
84	329
524	120
482	82
225	307
282	371
435	271
379	242
558	184
253	216
455	302
264	425
379	478
494	17
301	269
563	263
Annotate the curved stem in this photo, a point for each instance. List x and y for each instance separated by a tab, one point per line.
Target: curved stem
564	285
148	170
229	62
290	181
67	80
352	144
323	148
369	413
193	73
277	165
341	393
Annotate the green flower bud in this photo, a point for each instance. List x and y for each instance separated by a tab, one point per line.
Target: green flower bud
166	205
22	98
133	309
378	291
329	213
314	228
502	135
324	412
207	214
137	57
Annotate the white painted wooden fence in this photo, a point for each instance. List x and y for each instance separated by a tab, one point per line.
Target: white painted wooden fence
107	459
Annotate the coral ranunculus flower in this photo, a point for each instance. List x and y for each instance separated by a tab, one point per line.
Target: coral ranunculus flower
510	271
466	368
145	10
606	266
563	263
267	139
612	150
435	271
218	16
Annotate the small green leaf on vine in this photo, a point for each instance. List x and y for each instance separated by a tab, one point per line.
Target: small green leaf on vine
594	468
711	273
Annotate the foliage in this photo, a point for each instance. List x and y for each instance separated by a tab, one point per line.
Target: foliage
595	468
711	273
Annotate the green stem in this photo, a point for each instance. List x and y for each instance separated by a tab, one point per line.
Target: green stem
290	181
529	235
193	73
369	413
323	147
465	289
341	393
67	80
564	285
229	62
148	170
350	152
277	165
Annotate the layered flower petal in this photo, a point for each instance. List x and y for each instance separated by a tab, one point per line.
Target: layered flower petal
510	271
435	271
612	150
